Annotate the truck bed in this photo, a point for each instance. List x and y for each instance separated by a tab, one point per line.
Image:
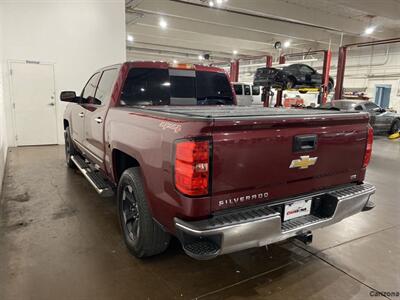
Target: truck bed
221	112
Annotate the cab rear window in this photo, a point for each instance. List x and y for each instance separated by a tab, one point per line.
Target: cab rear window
146	86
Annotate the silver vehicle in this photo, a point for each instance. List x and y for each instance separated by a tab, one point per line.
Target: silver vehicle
383	121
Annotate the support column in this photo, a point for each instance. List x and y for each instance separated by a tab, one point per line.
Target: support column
278	103
340	72
266	90
325	77
234	70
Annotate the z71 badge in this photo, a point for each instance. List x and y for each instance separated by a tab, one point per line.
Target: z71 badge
304	162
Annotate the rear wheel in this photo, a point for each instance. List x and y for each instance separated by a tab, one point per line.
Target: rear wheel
395	126
331	85
142	235
69	148
290	83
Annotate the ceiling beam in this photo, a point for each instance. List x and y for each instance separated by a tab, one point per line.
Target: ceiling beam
225	22
316	17
145	34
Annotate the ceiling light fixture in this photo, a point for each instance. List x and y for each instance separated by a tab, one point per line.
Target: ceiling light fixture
369	30
201	57
211	3
235	52
163	24
130	38
175	62
286	44
219	2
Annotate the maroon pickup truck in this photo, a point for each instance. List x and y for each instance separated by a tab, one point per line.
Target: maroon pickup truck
184	160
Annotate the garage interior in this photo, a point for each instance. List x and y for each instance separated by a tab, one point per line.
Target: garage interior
60	239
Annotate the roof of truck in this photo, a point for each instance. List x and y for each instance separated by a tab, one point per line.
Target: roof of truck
163	65
166	65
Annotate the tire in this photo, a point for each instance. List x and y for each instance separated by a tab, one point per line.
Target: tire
69	148
290	83
142	235
395	126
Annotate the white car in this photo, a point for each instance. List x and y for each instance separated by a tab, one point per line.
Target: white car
246	94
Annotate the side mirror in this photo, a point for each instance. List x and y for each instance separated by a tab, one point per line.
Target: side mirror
68	96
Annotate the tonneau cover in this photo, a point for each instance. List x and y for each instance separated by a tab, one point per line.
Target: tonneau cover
227	111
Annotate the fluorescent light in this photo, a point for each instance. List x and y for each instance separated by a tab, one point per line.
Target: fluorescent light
130	38
163	24
211	3
235	52
369	30
201	57
286	44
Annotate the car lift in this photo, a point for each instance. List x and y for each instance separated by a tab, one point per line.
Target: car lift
323	91
342	61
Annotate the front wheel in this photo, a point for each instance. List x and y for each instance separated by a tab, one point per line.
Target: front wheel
142	235
395	127
69	148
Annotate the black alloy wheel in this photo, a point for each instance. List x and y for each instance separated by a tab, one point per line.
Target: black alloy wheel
130	213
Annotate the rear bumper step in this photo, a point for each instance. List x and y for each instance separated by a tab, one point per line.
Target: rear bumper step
94	177
262	225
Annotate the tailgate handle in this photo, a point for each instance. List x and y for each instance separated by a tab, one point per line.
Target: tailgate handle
305	143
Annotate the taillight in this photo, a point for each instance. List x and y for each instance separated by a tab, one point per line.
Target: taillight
368	149
192	160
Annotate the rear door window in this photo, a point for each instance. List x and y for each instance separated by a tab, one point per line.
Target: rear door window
247	90
306	69
104	89
238	89
255	90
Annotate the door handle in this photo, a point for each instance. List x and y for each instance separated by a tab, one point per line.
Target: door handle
81	114
99	120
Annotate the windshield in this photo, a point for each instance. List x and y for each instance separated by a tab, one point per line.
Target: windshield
145	86
371	106
345	105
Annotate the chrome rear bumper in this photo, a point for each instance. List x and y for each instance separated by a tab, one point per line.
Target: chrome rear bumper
262	225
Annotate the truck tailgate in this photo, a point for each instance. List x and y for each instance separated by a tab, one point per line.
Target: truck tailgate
252	158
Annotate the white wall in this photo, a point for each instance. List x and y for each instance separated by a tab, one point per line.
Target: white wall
77	36
3	132
373	66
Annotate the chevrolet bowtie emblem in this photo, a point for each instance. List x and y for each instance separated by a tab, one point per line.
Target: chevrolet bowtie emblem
304	162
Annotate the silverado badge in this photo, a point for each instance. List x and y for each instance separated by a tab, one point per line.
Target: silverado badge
304	162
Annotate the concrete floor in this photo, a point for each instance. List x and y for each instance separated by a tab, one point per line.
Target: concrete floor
59	240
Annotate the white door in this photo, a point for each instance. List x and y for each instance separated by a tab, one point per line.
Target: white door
34	103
